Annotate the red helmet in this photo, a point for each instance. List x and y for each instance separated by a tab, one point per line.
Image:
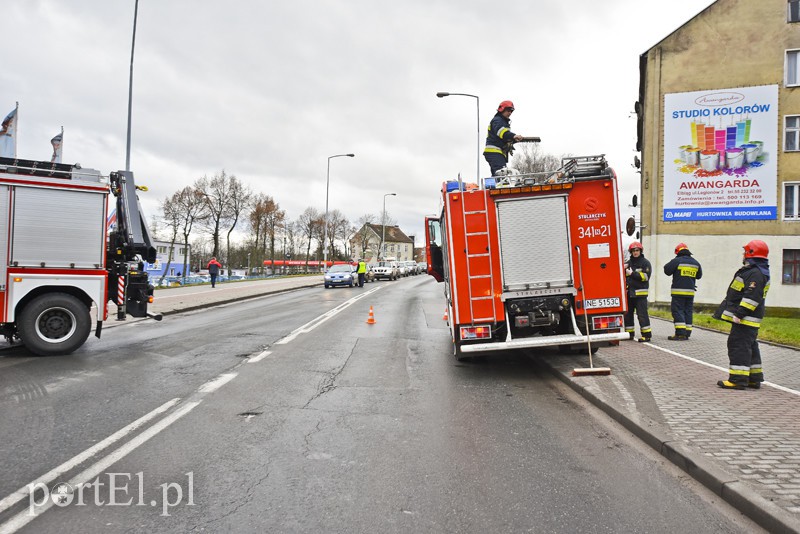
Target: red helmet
756	249
504	105
680	246
634	245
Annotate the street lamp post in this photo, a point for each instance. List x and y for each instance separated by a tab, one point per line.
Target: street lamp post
130	89
383	226
325	222
478	105
248	265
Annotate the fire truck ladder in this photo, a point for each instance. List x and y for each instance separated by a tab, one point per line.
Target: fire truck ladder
479	263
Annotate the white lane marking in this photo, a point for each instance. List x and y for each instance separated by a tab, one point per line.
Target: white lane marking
216	383
25	517
51	475
313	323
259	357
724	370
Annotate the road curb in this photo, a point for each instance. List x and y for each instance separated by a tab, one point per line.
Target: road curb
728	487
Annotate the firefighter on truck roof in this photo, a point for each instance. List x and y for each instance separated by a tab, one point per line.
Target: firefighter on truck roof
500	137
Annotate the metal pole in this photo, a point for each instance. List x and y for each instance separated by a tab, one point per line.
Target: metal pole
478	106
325	222
130	90
383	226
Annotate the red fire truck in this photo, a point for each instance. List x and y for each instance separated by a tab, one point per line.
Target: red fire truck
57	259
531	260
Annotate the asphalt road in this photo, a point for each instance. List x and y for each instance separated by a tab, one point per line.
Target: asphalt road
290	413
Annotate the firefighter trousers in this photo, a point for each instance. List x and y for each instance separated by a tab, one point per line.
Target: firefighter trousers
682	313
744	355
496	161
639	304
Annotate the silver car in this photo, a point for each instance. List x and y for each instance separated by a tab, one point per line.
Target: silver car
386	270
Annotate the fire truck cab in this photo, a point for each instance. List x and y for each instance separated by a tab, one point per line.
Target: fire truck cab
57	259
531	260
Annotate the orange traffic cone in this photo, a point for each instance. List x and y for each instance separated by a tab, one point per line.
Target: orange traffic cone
445	318
371	319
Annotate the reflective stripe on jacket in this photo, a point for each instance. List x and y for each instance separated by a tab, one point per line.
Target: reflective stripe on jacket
746	296
685	271
639	280
499	133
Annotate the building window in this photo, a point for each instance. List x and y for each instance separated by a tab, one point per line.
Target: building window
182	251
791	266
793	14
162	250
791	199
791	133
792	64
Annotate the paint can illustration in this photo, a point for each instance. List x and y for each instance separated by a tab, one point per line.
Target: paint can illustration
682	152
709	160
750	152
692	156
760	145
735	158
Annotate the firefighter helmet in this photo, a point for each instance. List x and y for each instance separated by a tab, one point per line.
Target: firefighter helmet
756	249
504	105
635	245
680	246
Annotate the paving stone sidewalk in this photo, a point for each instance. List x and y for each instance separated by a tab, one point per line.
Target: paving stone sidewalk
744	445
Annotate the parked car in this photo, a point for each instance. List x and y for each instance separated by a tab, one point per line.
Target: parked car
386	270
412	267
423	267
401	268
369	276
340	274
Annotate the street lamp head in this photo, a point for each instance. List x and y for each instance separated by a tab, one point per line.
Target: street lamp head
440	95
350	155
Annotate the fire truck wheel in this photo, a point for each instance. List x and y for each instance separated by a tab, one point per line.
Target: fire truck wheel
54	324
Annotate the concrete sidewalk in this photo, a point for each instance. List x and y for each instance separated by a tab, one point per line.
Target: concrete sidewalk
743	445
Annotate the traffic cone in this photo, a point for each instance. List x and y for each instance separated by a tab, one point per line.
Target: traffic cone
445	317
371	319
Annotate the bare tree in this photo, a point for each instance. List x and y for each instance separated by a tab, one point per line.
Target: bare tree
337	228
530	158
310	224
217	193
239	201
363	233
188	205
172	220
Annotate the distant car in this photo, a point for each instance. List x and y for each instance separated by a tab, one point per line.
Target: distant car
369	276
340	275
386	270
412	267
423	267
402	268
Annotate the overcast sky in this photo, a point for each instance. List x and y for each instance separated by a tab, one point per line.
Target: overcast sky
267	90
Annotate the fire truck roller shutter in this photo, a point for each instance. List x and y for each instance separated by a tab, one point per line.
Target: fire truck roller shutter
54	324
534	242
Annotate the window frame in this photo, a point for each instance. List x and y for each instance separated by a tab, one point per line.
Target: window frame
794	263
795	129
789	4
795	185
794	52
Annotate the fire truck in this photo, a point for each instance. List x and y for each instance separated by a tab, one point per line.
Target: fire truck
58	259
531	260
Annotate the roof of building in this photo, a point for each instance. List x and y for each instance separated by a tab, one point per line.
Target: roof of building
393	233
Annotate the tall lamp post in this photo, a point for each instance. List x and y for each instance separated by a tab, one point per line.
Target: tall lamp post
383	225
478	104
130	89
325	222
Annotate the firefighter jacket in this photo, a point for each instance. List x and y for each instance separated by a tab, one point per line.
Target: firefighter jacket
747	294
499	136
639	280
685	271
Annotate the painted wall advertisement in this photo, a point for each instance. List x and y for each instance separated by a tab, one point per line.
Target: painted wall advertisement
720	154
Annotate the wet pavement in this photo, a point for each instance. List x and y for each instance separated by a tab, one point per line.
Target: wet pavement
743	445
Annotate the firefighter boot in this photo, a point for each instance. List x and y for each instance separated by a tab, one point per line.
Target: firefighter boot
677	337
645	338
726	384
754	385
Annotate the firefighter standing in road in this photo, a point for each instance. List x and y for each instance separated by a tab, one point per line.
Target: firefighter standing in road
213	270
500	137
362	272
685	271
744	307
638	271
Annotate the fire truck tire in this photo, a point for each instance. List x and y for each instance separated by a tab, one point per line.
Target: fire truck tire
54	324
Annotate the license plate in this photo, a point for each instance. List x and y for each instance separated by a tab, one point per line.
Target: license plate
593	304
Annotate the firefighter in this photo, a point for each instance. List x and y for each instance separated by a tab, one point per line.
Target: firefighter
638	271
500	137
744	307
685	271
